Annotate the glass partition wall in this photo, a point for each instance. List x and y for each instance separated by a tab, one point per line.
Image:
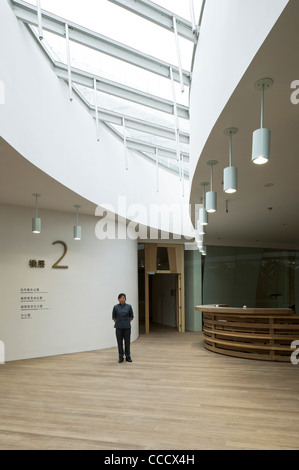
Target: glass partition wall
255	277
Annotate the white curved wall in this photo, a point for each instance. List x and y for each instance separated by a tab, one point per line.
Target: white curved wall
232	31
77	302
58	136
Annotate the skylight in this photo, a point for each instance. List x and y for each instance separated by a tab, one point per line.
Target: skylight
140	90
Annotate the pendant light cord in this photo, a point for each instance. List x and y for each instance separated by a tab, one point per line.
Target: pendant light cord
230	148
36	207
262	106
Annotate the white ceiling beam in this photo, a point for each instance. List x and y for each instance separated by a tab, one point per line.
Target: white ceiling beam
121	91
139	125
150	152
151	149
112	117
160	131
158	15
28	14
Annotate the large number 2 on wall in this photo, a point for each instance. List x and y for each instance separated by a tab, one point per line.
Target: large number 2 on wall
55	265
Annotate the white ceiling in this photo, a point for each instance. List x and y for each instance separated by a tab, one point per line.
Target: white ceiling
264	210
20	179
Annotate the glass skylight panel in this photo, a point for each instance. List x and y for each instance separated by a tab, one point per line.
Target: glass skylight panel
125	27
102	65
152	139
134	110
169	164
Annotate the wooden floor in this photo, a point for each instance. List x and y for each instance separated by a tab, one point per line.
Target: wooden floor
174	395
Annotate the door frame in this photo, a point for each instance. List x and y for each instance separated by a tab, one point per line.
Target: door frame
176	266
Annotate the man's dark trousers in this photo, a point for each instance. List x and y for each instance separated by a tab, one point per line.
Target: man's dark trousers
123	334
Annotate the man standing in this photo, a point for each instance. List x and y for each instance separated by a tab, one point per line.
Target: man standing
122	315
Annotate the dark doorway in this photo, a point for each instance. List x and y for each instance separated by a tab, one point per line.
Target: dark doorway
162	296
161	286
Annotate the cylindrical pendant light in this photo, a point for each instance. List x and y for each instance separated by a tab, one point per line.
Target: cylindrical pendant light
201	228
198	240
211	196
261	137
203	215
199	244
77	228
203	250
36	221
230	172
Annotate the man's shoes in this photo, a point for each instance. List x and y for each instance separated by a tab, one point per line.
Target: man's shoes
121	359
128	359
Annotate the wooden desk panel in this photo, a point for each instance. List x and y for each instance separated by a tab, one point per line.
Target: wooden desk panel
263	334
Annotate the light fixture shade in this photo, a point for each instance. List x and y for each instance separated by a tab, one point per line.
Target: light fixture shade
77	232
203	250
211	201
261	146
201	230
36	225
203	216
230	179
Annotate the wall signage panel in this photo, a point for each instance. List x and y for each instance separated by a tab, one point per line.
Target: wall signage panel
32	299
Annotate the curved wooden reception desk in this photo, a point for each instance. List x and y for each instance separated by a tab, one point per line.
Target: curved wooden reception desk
253	333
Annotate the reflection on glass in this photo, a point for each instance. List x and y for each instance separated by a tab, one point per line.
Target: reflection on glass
255	277
162	259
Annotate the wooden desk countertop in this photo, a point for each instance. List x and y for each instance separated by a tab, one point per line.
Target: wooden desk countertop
225	309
